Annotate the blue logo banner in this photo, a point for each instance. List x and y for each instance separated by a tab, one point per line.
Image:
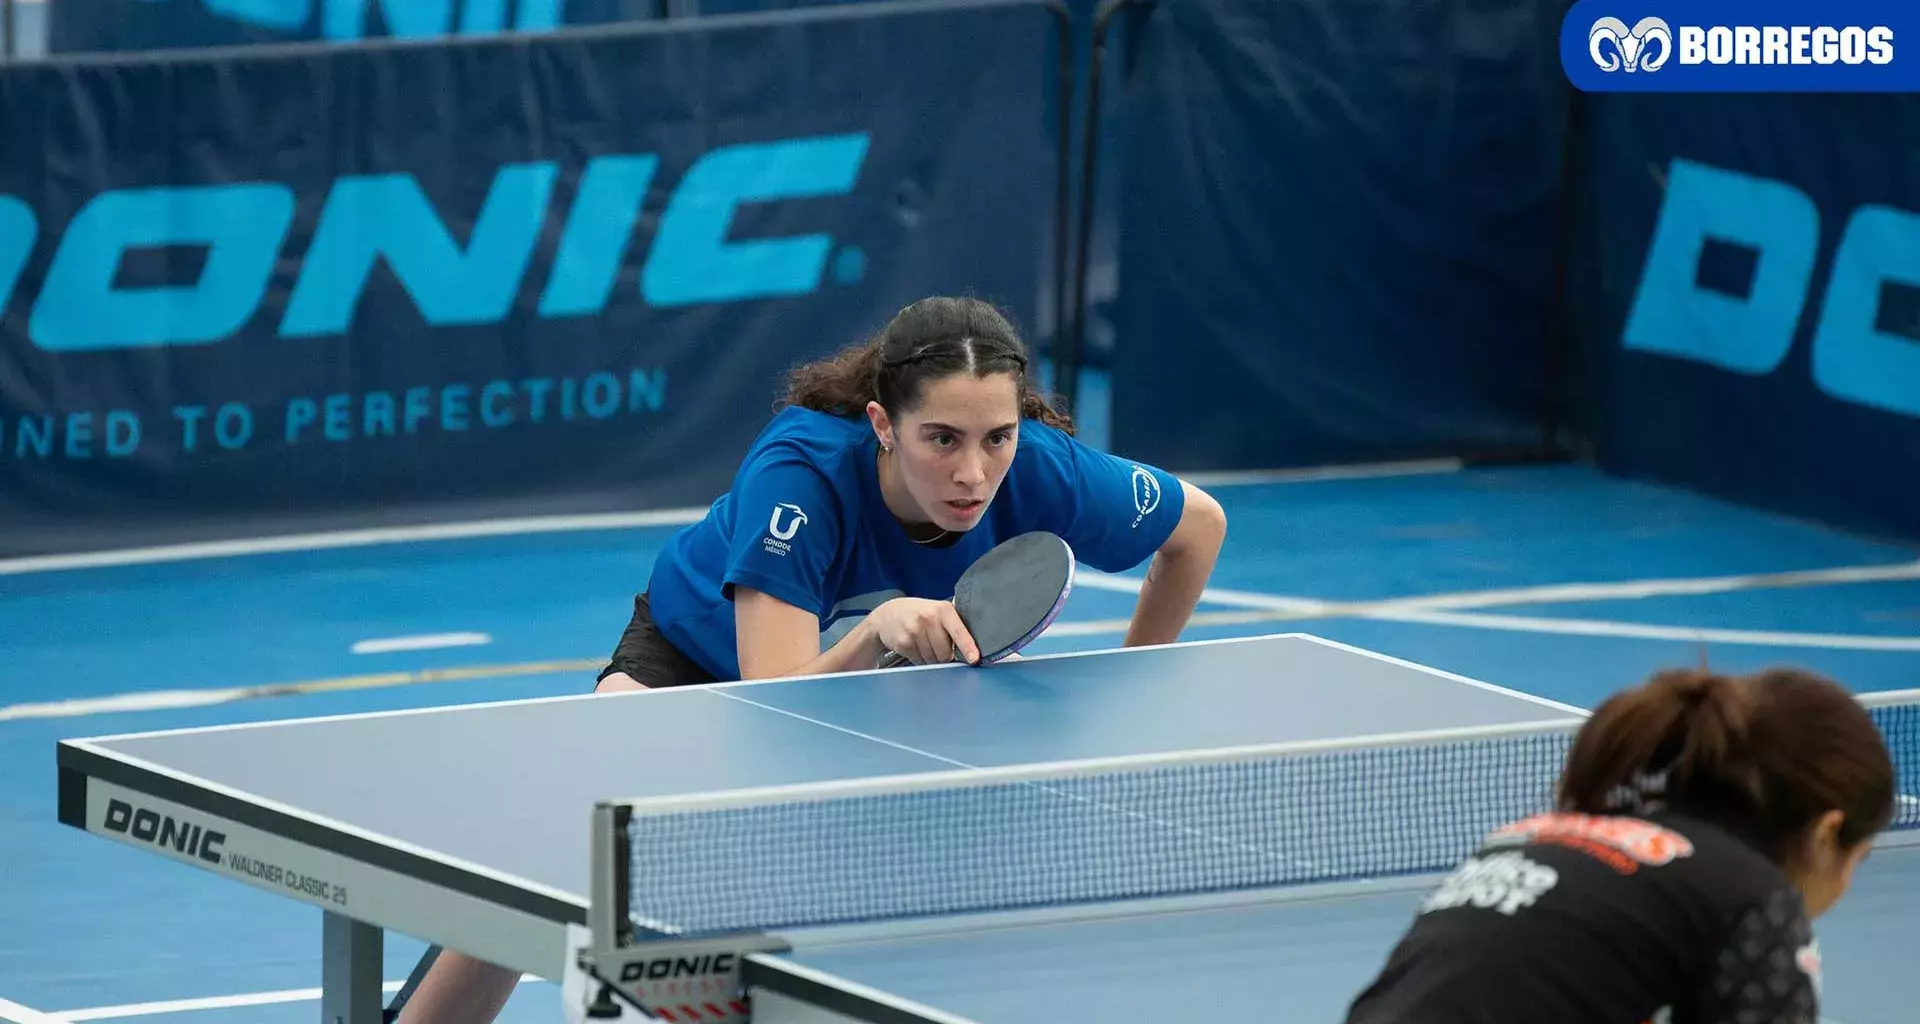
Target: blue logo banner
484	277
1762	46
1747	282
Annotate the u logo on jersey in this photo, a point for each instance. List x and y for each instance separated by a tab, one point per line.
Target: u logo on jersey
795	517
787	519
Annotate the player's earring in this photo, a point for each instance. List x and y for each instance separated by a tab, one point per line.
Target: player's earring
885	447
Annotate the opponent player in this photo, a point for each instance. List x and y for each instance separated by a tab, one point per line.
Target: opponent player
891	468
1702	823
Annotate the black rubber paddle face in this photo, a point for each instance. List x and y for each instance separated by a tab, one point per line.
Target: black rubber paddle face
1011	595
1014	592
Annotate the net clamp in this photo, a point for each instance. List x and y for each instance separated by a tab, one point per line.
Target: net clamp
674	978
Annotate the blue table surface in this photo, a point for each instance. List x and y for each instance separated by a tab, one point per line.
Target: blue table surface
1300	961
544	764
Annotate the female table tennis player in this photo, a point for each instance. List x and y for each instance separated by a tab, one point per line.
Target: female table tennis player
1702	823
893	466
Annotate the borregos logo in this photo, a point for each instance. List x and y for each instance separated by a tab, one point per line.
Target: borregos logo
1615	47
1648	44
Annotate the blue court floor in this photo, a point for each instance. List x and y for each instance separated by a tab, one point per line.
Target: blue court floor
1552	580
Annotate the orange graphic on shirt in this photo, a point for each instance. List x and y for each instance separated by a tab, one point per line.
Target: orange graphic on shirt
1622	843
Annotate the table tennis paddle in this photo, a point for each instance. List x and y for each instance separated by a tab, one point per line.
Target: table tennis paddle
1010	595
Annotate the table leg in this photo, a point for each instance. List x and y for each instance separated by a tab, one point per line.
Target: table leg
350	965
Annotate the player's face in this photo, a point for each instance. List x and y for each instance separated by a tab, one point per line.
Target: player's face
954	449
1828	867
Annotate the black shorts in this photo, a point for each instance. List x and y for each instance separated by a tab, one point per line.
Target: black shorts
650	658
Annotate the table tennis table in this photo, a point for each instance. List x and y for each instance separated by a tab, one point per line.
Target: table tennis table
1115	835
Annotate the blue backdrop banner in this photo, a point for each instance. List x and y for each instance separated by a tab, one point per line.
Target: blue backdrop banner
348	284
1339	228
1750	273
1741	46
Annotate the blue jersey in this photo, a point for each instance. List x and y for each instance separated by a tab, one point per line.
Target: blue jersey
804	522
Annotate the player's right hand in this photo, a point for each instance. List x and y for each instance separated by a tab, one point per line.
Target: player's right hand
923	632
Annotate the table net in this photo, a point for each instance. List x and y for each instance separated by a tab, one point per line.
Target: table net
1129	828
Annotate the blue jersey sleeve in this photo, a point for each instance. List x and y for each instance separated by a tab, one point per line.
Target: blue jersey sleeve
786	533
1119	511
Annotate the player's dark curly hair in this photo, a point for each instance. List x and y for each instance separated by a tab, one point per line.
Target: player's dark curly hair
932	339
1766	754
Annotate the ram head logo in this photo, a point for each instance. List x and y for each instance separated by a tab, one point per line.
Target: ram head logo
1630	45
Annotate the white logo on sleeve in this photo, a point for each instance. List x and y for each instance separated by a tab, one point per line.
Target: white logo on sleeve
1504	882
1146	494
787	519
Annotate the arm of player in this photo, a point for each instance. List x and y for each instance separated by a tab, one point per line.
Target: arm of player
778	639
1118	514
1179	570
788	536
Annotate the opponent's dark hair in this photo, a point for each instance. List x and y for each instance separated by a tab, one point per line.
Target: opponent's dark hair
1763	754
928	341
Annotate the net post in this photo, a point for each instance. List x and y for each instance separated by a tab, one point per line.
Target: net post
610	890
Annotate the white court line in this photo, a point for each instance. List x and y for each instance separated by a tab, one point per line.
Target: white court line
1636	589
424	642
1432	609
349	539
1264	610
14	1013
1435	609
295	995
1551	593
333	539
1316	474
155	700
1644	631
1093	579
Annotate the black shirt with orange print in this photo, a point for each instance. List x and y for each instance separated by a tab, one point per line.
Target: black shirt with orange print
1577	919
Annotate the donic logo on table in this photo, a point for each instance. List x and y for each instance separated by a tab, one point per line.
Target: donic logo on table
386	220
1752	46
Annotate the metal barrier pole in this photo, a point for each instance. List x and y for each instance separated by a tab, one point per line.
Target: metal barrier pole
1063	187
1068	359
1557	361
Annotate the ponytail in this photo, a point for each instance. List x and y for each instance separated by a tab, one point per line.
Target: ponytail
927	341
1682	733
1765	755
